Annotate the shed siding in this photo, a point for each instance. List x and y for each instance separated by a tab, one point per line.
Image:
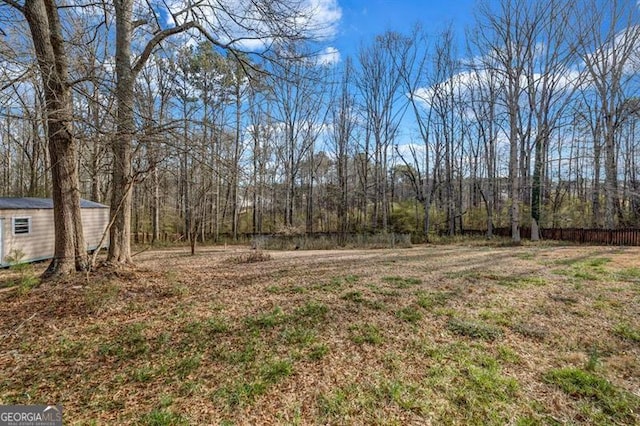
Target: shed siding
94	222
40	242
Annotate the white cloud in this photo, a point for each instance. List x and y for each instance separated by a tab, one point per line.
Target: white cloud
255	24
328	56
467	83
623	50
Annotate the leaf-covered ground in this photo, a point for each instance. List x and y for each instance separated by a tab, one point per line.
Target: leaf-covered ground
456	334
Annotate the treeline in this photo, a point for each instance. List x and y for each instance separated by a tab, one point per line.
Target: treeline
532	124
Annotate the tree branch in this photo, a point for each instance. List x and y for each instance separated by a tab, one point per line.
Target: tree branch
162	35
15	5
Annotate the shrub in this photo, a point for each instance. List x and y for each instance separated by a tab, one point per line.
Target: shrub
254	256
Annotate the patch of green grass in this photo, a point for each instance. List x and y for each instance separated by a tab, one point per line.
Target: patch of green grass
445	312
188	365
353	296
472	383
298	335
199	334
311	312
593	361
358	298
189	387
407	396
143	374
618	405
163	417
215	325
275	370
585	270
267	320
333	405
501	317
354	401
176	288
241	393
129	343
366	333
482	391
68	348
247	352
597	262
100	295
402	282
628	332
351	279
207	328
274	289
429	300
318	351
27	279
603	303
525	255
409	314
374	304
506	354
475	329
629	274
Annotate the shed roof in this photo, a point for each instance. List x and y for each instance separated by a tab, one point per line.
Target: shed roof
15	203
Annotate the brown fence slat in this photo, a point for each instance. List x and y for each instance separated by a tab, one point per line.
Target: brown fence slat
626	237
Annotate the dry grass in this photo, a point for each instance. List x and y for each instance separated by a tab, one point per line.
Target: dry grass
431	335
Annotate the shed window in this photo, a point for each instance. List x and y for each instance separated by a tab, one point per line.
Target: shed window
21	225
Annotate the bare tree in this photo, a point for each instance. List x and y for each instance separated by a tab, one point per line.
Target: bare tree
482	101
506	42
379	83
343	122
46	32
550	85
225	25
418	80
609	49
297	94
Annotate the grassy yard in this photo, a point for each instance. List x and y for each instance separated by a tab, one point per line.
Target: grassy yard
458	334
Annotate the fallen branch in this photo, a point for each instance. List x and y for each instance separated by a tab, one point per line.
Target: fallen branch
141	251
15	330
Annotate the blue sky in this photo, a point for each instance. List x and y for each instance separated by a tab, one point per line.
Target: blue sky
363	19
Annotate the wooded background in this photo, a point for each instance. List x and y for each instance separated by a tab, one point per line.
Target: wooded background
532	123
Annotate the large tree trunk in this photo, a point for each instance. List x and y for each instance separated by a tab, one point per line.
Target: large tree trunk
46	31
120	232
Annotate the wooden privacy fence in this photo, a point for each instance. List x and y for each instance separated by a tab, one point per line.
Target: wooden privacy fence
618	237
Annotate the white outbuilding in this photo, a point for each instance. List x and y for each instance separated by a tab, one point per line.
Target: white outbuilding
26	227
